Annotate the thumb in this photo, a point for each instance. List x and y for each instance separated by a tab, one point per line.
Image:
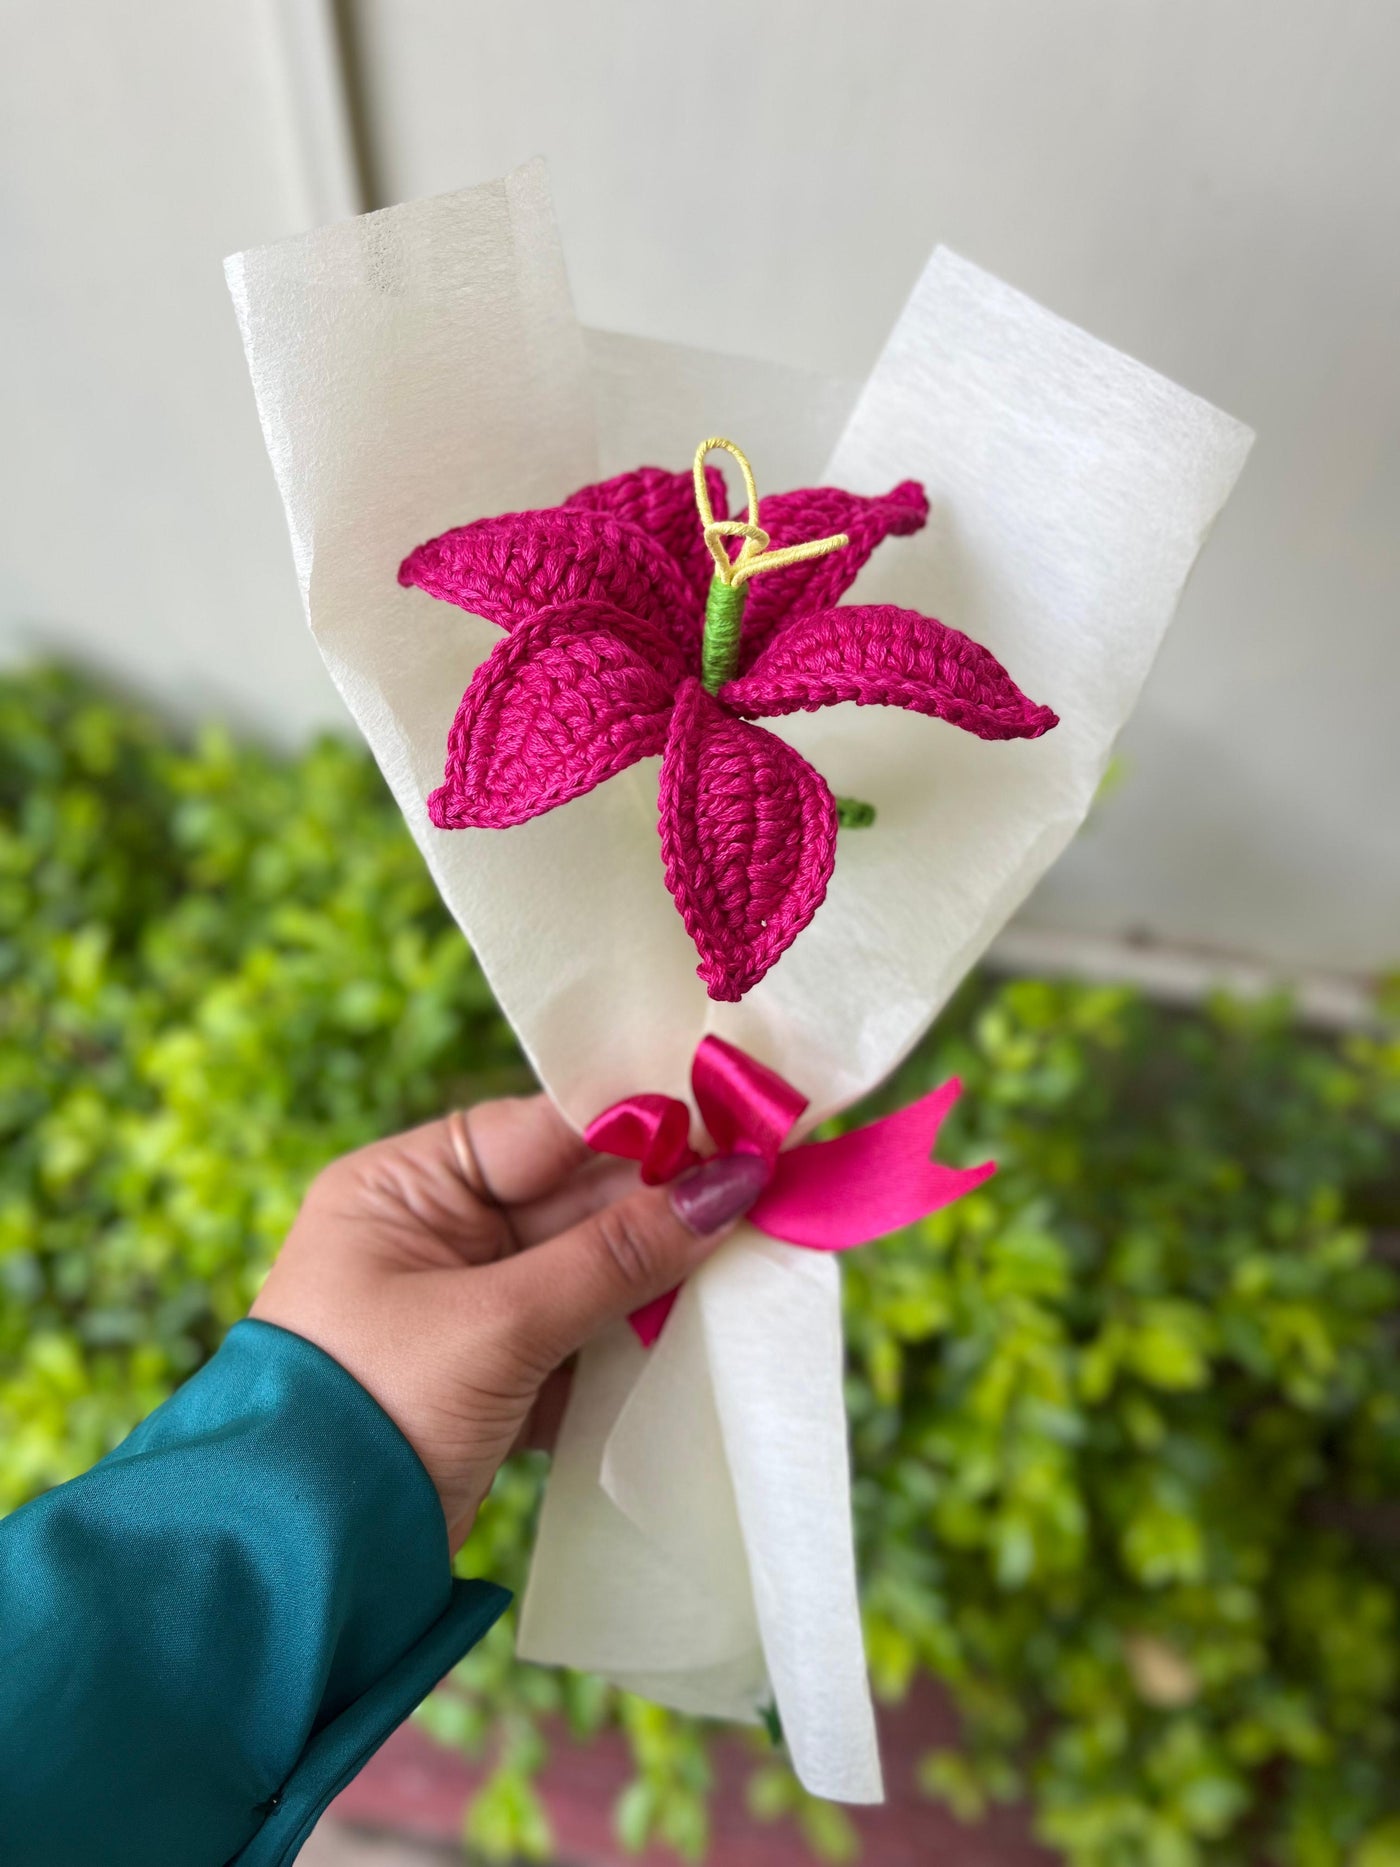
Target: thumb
558	1294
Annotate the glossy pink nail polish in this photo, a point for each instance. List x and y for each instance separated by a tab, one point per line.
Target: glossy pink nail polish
717	1192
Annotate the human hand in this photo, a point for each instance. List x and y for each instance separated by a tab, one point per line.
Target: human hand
453	1271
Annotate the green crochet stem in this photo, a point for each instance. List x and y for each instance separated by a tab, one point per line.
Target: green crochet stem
719	646
853	813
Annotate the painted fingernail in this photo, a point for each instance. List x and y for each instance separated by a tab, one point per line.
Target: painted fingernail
716	1192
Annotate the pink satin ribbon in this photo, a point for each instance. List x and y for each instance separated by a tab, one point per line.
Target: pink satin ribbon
824	1195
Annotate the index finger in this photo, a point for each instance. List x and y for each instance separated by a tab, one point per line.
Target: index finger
516	1149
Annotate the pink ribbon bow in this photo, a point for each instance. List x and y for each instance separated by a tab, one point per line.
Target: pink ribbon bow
823	1195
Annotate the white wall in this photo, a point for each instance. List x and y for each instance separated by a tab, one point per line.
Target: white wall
1214	185
140	141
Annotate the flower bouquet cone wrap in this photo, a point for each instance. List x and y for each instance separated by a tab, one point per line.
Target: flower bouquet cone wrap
421	368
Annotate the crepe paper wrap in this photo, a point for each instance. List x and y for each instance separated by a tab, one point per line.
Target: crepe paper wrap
423	366
625	643
825	1196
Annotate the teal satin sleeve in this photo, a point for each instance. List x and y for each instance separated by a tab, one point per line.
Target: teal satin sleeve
205	1636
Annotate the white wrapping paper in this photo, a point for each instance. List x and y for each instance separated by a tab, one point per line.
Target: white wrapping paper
421	367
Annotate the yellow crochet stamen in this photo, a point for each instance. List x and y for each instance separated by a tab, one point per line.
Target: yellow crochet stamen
724	609
754	555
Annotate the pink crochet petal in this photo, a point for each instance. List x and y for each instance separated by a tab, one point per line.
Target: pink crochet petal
568	699
748	838
509	569
880	656
662	505
819	512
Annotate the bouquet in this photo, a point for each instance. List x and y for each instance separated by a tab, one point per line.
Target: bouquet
728	788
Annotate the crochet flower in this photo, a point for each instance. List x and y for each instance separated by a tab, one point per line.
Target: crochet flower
634	631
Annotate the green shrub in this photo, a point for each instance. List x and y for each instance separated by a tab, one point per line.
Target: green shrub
1123	1421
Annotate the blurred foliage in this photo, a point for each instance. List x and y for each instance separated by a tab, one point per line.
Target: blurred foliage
1125	1421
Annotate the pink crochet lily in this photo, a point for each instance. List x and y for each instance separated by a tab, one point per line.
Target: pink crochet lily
604	599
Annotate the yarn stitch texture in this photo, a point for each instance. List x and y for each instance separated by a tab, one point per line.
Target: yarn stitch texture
603	601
